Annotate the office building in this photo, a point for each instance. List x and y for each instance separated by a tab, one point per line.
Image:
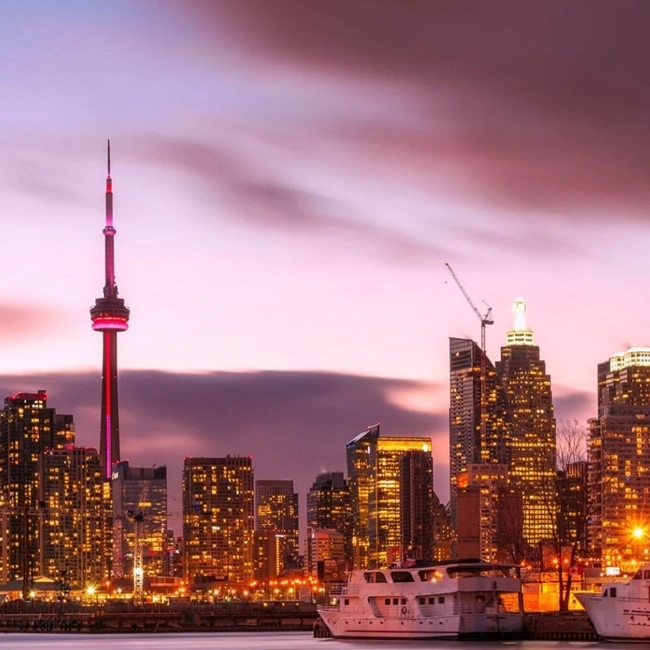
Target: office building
573	506
276	509
361	477
529	400
416	504
328	507
376	488
471	440
140	493
218	518
326	554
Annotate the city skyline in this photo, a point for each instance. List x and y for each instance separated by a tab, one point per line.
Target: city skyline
288	190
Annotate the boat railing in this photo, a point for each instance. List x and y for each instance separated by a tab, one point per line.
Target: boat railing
344	589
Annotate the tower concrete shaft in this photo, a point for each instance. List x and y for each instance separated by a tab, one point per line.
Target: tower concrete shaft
109	316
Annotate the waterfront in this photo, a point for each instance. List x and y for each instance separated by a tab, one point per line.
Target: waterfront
255	641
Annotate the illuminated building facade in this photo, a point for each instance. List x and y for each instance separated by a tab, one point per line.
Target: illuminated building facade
442	532
469	441
140	491
376	486
109	316
328	507
276	509
386	517
75	519
619	461
218	518
416	503
529	407
325	553
361	477
572	493
481	503
28	428
269	552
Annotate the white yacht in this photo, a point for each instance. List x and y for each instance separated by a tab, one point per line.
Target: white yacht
621	612
450	600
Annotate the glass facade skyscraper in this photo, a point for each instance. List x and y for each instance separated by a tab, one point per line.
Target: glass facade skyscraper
529	409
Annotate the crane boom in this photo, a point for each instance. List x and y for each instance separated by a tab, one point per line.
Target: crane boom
487	319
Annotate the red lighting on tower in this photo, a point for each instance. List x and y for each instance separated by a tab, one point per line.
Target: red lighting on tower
109	316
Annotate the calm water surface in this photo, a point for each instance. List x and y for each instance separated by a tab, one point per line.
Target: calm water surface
254	641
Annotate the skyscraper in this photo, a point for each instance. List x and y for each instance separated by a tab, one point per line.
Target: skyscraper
218	518
466	443
140	491
416	504
276	509
361	476
328	507
28	428
619	460
75	518
109	316
529	410
377	486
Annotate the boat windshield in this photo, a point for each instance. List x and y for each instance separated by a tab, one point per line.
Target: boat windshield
402	576
374	576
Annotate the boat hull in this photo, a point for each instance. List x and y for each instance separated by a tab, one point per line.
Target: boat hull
443	628
618	619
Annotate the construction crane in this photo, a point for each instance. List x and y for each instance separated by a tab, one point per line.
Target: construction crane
485	320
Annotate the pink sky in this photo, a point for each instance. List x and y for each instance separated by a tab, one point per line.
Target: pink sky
290	178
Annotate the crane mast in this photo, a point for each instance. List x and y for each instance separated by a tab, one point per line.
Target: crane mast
485	320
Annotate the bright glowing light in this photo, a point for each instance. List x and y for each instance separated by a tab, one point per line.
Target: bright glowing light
106	323
90	590
638	532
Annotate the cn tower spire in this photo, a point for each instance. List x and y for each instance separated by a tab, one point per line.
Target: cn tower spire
109	316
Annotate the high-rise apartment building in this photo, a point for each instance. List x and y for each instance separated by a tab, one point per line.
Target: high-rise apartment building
28	428
140	495
619	460
529	408
218	518
276	509
328	507
75	517
472	441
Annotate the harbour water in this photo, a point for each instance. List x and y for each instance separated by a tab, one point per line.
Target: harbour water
255	641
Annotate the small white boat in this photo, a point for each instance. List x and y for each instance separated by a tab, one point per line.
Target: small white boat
450	600
621	612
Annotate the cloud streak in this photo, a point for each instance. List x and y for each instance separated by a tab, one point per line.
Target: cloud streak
294	424
536	107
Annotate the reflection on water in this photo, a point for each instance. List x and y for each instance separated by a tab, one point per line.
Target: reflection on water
255	641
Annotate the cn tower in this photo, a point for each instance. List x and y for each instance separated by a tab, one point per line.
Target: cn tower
109	316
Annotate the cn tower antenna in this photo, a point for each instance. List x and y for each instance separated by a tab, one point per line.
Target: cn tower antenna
109	159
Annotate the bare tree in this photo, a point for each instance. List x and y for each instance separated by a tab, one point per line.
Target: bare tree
568	505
